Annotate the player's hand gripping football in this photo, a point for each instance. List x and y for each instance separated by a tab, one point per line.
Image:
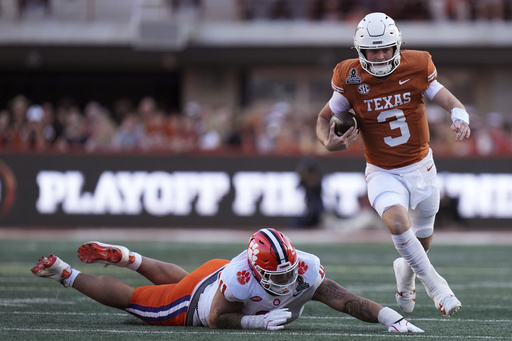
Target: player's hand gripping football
335	142
404	326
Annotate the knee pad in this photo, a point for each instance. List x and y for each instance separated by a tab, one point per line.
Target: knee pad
423	217
422	227
385	200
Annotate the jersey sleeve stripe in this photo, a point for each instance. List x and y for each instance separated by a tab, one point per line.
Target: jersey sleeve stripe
432	76
337	88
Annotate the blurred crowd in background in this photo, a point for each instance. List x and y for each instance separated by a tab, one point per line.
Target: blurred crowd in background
354	10
145	126
317	10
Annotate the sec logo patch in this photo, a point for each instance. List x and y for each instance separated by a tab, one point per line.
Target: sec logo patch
363	89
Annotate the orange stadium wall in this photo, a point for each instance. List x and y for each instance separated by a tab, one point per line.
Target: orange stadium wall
82	190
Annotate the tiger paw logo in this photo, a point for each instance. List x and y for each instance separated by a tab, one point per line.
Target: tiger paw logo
243	277
302	268
252	251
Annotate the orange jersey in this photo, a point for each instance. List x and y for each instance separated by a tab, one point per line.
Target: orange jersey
390	111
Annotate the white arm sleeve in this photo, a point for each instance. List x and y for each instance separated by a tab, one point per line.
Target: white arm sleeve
433	88
339	103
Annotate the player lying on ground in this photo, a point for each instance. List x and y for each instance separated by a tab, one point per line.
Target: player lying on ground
264	287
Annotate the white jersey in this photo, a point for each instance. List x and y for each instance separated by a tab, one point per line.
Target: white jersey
238	284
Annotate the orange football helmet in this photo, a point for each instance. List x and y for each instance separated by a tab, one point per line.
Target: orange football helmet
273	260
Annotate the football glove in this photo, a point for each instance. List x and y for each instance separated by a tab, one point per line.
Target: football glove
404	326
273	320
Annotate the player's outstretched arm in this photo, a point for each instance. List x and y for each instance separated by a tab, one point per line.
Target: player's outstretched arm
339	298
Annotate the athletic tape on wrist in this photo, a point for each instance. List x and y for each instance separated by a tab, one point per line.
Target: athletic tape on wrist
253	322
388	316
459	114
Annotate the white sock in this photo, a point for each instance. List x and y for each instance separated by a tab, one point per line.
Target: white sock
68	282
136	263
410	248
409	275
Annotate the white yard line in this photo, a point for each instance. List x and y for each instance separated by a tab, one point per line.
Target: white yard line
306	317
223	235
257	333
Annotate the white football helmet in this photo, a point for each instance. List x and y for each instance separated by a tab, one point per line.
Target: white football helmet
273	260
377	31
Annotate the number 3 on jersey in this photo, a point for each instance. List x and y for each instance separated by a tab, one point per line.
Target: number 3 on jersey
399	123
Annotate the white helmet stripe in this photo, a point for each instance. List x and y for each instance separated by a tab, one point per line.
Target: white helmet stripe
277	245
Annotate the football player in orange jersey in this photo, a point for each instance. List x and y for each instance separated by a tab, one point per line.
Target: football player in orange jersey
384	88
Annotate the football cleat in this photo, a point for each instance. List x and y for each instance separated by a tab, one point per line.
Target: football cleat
449	305
108	254
406	286
52	267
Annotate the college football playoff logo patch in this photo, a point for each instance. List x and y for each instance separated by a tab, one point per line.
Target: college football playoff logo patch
353	78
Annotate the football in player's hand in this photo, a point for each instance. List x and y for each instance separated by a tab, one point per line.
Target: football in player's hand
343	122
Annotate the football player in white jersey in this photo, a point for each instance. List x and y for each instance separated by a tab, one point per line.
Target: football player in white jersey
265	287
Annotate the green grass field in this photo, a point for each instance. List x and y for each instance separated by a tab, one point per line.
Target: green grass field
32	308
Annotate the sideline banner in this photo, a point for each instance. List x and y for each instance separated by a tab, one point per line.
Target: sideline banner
52	190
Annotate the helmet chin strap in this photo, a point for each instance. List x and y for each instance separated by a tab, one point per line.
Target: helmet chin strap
381	69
